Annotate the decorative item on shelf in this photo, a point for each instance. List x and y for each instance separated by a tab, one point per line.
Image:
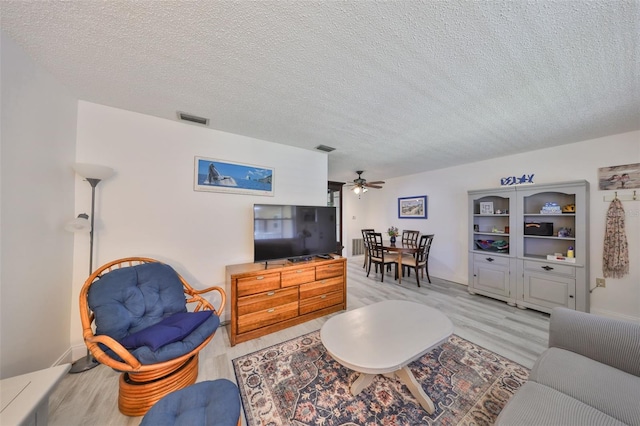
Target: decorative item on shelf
569	208
564	232
570	253
551	208
500	246
542	229
486	207
393	233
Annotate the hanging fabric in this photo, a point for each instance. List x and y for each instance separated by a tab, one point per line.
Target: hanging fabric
615	255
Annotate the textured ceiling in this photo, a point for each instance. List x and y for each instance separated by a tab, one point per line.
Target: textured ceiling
397	87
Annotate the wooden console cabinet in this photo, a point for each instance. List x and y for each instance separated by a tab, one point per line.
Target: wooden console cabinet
266	300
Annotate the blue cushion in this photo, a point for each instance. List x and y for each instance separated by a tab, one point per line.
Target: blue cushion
130	299
214	402
171	329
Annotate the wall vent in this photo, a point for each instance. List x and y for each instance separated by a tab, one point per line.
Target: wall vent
325	148
193	118
357	246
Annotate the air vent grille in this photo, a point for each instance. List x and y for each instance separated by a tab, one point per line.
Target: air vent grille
325	148
193	118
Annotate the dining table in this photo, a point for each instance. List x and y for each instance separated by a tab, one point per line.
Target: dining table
400	248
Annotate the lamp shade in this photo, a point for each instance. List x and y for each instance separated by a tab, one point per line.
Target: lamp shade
93	171
79	224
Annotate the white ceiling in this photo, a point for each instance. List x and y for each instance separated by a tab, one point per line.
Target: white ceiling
397	87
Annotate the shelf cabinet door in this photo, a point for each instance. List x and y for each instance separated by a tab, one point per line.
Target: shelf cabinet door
491	274
549	291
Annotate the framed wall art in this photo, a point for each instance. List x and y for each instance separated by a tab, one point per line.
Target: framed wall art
215	175
412	207
619	177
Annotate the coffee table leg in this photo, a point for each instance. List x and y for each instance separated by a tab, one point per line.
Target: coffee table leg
406	376
361	382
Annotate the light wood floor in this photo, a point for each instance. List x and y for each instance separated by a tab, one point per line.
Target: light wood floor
90	398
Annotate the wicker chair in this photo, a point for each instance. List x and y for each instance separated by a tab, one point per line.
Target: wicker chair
127	296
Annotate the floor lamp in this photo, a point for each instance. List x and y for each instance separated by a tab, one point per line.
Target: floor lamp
92	174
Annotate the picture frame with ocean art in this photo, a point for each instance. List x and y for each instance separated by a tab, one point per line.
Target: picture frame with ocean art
625	176
214	175
412	207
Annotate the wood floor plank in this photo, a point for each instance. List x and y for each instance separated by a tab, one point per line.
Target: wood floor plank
90	398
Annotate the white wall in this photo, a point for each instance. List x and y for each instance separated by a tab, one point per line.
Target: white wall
447	210
38	143
149	207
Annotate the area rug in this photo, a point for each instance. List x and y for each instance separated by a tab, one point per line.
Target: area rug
298	383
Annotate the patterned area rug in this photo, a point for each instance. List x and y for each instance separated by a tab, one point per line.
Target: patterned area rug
298	383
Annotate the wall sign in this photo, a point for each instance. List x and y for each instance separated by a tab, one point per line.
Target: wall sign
514	180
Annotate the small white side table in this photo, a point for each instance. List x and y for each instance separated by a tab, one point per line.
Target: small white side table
25	398
383	338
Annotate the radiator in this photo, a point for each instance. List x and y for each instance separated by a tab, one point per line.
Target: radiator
357	246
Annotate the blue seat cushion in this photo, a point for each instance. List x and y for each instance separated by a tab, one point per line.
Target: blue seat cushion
171	329
128	300
214	402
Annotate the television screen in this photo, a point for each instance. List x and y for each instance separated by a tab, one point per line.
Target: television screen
293	232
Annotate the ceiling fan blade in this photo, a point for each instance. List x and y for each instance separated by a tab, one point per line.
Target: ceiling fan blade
368	185
377	182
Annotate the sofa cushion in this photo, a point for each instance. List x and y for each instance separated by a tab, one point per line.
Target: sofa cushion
537	404
171	329
605	388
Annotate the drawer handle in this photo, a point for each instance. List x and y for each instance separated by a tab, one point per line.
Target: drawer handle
490	259
323	281
571	296
324	296
260	277
271	310
299	271
547	268
271	293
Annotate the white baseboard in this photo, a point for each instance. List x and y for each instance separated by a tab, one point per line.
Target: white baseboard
615	315
65	358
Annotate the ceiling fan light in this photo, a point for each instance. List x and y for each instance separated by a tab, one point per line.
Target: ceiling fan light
356	190
364	189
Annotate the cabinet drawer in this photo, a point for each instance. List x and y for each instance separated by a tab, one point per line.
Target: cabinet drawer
491	259
267	317
258	284
322	301
328	271
550	268
298	276
321	287
267	300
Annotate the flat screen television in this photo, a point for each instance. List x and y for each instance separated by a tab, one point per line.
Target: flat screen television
293	232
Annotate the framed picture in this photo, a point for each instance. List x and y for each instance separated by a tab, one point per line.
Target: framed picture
215	175
619	177
486	207
412	207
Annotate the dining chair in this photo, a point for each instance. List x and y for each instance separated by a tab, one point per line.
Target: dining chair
409	238
366	250
421	261
377	254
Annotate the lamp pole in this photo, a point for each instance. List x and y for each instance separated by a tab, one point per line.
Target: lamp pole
88	362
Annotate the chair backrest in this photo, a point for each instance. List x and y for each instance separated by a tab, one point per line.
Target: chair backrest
364	236
410	237
130	299
424	246
375	247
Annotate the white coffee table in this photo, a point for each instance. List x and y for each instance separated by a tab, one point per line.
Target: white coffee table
384	338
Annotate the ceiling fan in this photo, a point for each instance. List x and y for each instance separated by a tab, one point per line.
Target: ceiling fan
361	185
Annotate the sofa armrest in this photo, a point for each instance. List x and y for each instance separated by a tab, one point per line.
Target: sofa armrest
606	340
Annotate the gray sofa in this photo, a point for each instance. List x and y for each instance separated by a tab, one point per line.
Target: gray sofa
589	375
